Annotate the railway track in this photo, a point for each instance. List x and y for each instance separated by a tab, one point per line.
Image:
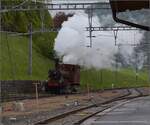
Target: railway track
132	94
78	116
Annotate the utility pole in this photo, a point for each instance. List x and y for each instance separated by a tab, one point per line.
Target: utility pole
117	63
90	16
116	71
136	66
0	73
101	73
115	35
30	50
148	56
42	19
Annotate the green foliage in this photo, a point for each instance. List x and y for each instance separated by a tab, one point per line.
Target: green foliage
20	20
45	43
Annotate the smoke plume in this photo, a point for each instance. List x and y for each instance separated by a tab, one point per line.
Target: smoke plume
72	43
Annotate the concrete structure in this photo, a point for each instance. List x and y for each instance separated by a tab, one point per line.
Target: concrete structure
135	112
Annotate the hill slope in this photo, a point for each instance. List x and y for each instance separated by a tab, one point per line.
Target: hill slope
14	49
97	79
14	59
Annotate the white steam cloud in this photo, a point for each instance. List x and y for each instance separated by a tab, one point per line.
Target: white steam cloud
72	41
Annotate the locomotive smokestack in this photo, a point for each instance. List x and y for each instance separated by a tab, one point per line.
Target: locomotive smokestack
56	63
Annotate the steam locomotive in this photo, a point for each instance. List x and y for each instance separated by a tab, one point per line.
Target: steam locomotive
65	78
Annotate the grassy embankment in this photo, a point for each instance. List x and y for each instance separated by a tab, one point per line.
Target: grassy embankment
14	59
14	49
97	79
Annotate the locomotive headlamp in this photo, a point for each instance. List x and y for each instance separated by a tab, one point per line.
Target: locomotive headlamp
135	13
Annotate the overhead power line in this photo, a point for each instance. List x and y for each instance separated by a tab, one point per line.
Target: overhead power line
123	28
60	6
52	29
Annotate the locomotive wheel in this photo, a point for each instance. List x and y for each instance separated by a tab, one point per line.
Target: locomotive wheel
72	89
75	89
67	90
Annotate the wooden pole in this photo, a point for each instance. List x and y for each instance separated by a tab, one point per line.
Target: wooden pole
37	95
88	91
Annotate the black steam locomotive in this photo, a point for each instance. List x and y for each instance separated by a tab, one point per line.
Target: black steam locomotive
65	78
